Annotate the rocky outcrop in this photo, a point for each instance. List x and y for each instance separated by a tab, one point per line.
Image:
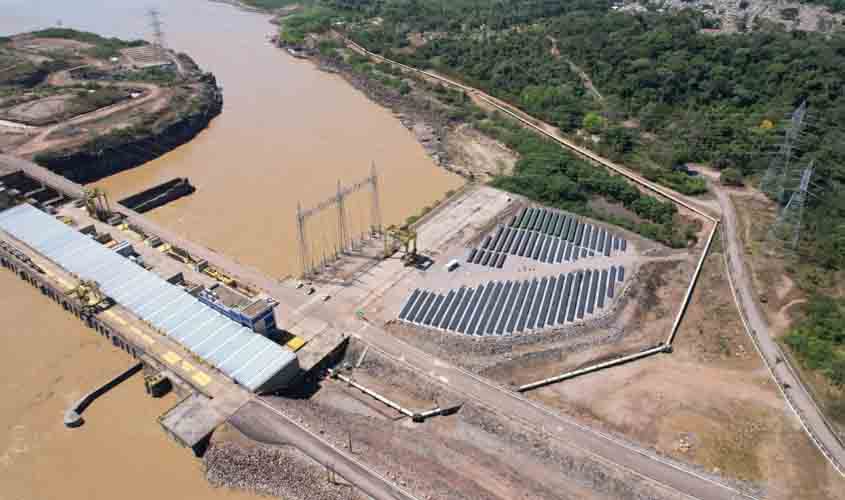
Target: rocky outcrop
134	146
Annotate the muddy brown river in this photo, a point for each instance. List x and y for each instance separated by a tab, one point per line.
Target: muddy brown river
288	132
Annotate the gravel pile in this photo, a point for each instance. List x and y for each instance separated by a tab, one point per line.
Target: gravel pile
274	471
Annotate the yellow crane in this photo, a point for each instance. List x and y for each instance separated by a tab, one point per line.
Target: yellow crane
401	237
97	203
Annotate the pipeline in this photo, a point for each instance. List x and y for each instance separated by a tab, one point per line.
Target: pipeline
379	397
594	368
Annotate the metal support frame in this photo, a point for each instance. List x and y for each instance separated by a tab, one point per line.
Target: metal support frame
339	202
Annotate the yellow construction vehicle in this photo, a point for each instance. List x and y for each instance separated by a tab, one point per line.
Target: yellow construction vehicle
401	237
97	204
89	293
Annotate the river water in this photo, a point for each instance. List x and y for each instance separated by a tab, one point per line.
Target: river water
288	132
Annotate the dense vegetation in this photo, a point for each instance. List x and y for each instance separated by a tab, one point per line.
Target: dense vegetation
819	340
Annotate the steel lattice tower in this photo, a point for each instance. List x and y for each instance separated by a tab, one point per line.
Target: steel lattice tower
787	228
158	31
775	180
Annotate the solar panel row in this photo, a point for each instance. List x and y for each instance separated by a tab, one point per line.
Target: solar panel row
505	308
547	236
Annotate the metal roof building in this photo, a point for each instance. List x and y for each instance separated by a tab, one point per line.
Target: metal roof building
252	360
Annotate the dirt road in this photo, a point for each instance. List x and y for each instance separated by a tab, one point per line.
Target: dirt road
261	422
793	389
41	140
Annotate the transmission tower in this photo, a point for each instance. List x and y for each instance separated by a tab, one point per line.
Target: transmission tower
158	31
775	180
787	228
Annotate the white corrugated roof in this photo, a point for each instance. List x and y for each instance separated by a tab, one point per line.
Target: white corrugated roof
240	353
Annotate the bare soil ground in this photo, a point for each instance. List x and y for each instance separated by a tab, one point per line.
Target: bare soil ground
711	403
473	154
473	454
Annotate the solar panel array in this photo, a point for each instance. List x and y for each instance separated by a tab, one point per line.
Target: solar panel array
250	359
512	307
547	236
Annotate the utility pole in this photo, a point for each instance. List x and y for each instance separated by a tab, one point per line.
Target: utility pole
376	203
303	245
342	230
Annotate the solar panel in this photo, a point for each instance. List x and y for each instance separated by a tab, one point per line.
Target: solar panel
507	311
588	229
470	309
471	255
540	218
497	308
478	257
593	240
486	258
551	258
621	274
438	301
602	288
524	244
450	322
624	244
602	237
506	232
538	246
507	247
441	314
500	261
479	308
579	234
558	224
582	295
485	244
517	242
461	311
611	282
518	307
608	244
530	248
591	300
531	220
420	315
548	295
576	293
489	309
520	217
416	309
523	315
555	305
495	241
568	256
544	225
536	304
